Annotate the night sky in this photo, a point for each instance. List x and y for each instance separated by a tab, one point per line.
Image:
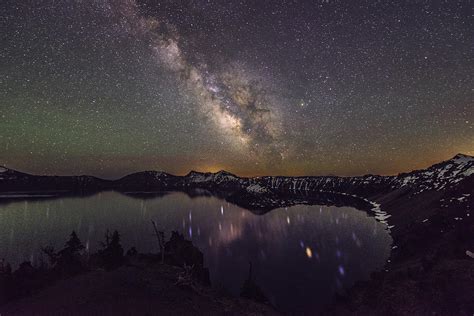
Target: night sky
109	87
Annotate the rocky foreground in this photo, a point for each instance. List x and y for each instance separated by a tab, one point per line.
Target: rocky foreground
428	212
110	282
138	289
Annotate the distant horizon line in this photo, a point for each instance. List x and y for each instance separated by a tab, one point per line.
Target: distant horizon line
223	170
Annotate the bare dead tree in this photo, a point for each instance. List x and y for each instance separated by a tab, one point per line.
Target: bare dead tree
161	241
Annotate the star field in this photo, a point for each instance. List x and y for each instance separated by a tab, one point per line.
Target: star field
108	87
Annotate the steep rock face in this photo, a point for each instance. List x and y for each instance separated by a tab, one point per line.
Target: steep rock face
363	186
440	177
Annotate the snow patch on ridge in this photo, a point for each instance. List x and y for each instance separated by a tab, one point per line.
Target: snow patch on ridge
256	188
159	174
468	172
462	159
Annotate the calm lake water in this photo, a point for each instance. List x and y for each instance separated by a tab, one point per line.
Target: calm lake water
301	255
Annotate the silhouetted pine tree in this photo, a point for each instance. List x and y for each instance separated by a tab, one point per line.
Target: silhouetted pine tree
74	244
112	254
70	259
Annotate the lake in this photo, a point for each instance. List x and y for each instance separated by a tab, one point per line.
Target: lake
301	255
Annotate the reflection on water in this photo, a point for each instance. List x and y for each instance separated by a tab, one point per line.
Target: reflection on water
300	255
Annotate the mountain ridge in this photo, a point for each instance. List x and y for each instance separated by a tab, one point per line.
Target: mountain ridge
441	176
458	156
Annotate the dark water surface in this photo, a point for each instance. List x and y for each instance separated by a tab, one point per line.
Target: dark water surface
301	255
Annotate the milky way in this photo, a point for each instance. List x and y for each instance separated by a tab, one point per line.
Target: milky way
108	87
238	105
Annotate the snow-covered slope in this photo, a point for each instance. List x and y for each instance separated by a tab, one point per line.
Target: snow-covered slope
437	177
441	176
366	184
256	189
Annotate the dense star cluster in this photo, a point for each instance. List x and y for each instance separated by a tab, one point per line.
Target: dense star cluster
107	87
